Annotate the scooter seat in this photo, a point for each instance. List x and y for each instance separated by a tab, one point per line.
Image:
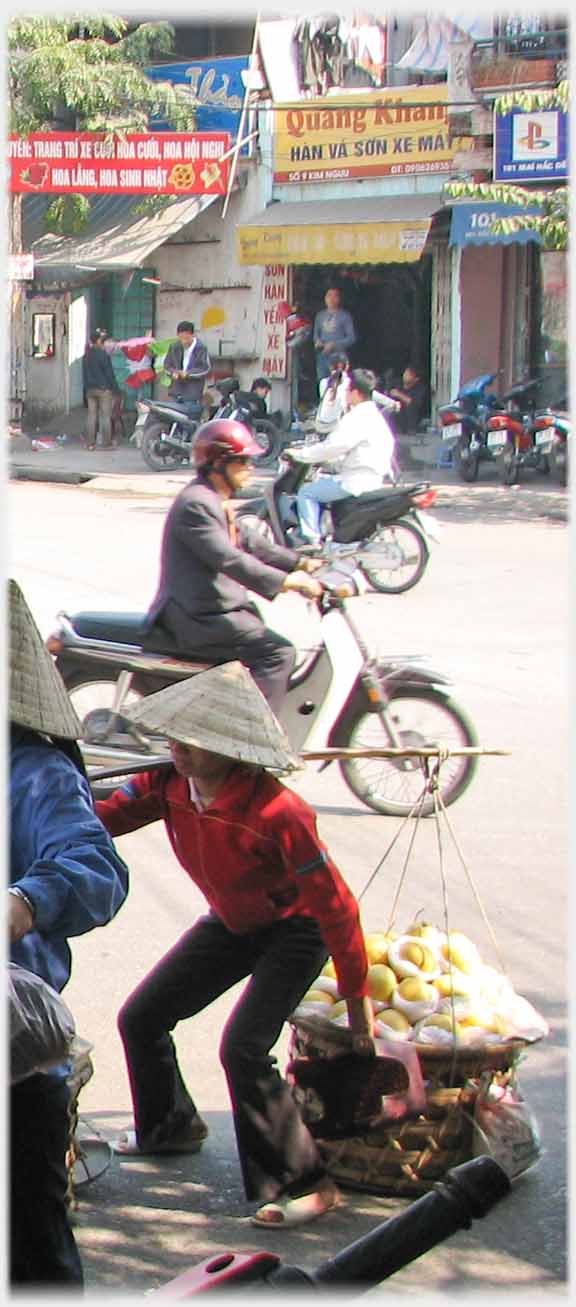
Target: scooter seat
175	413
116	628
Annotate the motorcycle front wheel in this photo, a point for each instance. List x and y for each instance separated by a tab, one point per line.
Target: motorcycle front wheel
392	786
158	455
405	557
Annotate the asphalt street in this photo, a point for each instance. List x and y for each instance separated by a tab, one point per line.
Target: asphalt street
491	612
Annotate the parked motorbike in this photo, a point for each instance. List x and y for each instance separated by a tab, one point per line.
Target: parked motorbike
245	407
386	532
510	434
165	431
551	430
338	696
464	1194
463	424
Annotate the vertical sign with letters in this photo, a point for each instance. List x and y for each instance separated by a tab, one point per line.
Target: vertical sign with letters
274	295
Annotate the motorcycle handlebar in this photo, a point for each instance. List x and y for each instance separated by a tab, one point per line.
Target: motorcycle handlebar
464	1194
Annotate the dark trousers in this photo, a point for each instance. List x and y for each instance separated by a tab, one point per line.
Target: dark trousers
277	1152
268	656
42	1246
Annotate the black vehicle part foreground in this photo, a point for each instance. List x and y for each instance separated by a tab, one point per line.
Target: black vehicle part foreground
465	1193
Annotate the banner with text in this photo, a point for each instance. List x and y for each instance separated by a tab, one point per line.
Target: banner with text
383	133
274	294
146	163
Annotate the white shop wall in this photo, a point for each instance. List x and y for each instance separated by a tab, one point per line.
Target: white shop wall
229	317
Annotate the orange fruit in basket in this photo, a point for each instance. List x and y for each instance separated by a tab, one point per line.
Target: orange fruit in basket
318	996
376	946
381	982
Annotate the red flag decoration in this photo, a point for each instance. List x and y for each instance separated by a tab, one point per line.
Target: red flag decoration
137	353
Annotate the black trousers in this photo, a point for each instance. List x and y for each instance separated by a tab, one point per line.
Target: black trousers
42	1246
241	634
277	1152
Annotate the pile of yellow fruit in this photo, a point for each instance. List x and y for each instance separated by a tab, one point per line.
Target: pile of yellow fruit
432	988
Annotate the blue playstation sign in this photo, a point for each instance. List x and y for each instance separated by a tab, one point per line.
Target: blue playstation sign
531	147
217	85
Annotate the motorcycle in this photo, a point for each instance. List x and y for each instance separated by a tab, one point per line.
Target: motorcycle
165	431
244	407
386	532
551	433
339	696
510	434
463	424
465	1193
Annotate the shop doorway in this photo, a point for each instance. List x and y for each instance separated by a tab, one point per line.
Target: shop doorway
391	307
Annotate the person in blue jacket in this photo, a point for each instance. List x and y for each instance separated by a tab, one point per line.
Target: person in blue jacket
65	878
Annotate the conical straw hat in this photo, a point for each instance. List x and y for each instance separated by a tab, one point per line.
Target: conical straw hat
38	696
221	710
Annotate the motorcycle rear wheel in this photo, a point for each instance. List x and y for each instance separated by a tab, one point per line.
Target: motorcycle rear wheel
392	786
467	468
92	698
157	455
559	466
508	466
408	559
255	523
270	440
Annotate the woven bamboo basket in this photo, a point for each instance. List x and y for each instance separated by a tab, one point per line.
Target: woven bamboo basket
407	1157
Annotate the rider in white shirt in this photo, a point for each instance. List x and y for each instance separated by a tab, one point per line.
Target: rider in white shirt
362	445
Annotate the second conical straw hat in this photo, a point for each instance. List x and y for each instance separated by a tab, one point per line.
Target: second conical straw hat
38	697
221	710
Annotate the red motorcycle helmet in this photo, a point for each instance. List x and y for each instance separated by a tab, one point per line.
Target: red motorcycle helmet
220	441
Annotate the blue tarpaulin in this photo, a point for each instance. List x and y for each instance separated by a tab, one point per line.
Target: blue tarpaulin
473	224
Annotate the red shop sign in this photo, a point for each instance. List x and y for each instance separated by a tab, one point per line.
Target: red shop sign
141	163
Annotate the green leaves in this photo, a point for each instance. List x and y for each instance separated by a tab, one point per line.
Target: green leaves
552	224
85	74
67	214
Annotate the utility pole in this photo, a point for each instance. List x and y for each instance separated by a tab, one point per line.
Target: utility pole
17	379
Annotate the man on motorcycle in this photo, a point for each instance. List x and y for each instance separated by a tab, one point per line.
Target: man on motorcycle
202	609
363	446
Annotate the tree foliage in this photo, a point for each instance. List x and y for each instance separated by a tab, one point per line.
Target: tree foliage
551	223
86	73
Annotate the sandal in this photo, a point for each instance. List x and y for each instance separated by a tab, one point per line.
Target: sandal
288	1212
191	1142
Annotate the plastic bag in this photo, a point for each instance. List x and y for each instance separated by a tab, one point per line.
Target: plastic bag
505	1127
41	1025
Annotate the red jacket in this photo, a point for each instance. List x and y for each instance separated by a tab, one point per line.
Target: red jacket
254	852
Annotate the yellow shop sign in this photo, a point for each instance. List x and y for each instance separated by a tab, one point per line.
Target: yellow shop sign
378	242
387	133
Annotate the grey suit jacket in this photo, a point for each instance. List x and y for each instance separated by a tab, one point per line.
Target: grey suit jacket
203	574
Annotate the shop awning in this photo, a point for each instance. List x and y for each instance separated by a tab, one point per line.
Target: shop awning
473	224
123	243
382	229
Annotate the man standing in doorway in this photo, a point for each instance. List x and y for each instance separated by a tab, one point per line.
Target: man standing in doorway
101	389
334	332
188	364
